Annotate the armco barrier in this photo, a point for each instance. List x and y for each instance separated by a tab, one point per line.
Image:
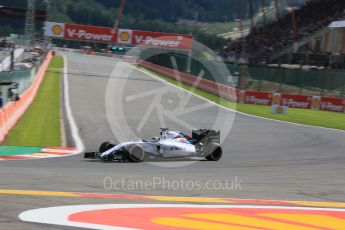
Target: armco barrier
11	113
251	97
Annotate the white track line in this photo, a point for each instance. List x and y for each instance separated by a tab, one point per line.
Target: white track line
73	126
246	114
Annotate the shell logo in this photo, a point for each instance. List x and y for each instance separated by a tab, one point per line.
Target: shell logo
57	30
124	36
198	217
280	109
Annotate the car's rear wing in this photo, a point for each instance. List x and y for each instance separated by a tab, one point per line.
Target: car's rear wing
202	137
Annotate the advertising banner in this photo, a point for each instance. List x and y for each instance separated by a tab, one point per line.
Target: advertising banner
80	32
278	109
124	36
296	101
54	29
120	36
332	104
316	102
258	98
90	33
161	40
276	99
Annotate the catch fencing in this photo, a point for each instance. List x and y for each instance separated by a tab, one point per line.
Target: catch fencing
249	96
324	82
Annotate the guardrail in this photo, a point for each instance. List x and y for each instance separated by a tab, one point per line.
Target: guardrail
251	97
10	114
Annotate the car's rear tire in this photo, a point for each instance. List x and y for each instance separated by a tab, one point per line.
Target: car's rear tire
136	153
105	146
213	152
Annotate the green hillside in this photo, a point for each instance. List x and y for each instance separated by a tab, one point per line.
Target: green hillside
145	15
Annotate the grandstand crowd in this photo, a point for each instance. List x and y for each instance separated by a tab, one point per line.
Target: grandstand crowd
263	42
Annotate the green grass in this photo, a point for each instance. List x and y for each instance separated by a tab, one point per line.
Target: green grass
40	125
301	116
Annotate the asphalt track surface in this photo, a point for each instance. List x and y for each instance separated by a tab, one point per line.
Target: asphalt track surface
269	159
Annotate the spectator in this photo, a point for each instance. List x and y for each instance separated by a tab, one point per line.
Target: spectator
263	42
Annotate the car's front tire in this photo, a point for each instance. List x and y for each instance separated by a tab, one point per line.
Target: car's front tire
213	152
136	153
105	146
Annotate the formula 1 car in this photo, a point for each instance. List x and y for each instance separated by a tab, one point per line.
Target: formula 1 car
171	144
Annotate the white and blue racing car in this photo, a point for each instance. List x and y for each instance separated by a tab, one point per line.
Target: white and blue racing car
171	144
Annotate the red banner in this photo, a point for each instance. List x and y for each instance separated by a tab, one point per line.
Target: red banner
161	40
258	98
332	104
296	101
120	36
90	33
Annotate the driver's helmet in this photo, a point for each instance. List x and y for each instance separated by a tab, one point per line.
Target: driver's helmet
170	134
